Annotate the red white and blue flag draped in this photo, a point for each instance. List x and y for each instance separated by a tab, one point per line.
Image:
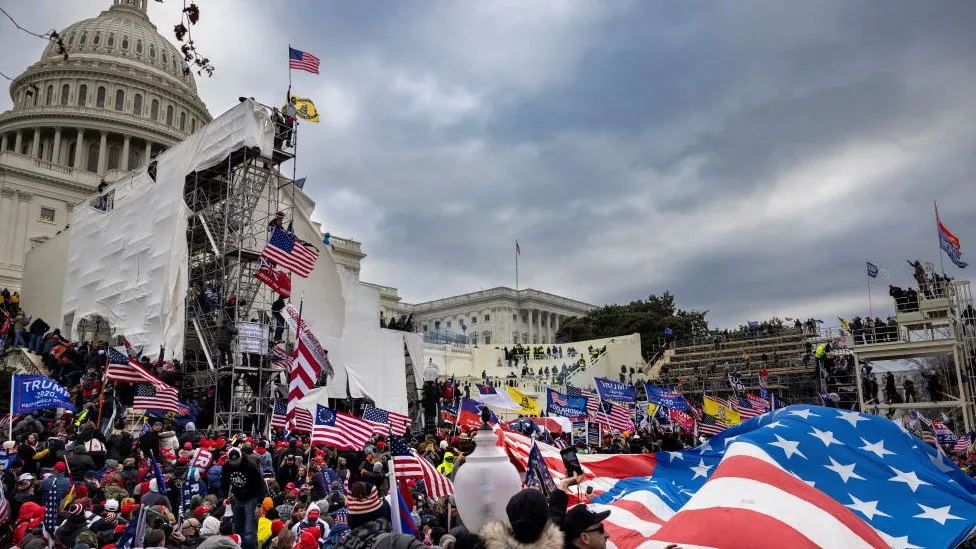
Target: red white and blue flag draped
962	444
803	476
385	422
151	397
128	370
289	252
338	430
303	373
279	417
949	242
408	464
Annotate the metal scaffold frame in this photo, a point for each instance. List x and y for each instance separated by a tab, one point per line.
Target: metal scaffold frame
233	205
937	332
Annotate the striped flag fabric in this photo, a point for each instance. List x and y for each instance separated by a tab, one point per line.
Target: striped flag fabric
384	421
123	369
303	373
616	416
151	397
279	417
7	419
340	431
408	464
744	406
448	413
302	61
279	355
4	507
962	444
708	425
592	400
288	252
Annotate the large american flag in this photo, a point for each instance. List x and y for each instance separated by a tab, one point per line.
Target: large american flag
340	431
279	417
617	416
408	464
128	370
290	253
303	373
803	477
384	421
151	397
302	61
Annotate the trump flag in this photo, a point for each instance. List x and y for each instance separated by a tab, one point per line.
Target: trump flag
36	392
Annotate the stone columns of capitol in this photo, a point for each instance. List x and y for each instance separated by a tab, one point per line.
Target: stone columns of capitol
148	151
102	146
79	150
8	220
56	148
20	231
19	142
36	146
124	161
3	143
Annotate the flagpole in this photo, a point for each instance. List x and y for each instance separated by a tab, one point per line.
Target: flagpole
870	307
938	234
13	383
516	264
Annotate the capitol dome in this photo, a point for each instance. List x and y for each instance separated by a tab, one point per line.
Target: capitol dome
121	97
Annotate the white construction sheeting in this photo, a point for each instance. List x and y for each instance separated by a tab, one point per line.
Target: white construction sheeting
129	264
325	309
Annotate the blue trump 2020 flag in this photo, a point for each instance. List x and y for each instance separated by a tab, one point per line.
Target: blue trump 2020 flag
662	396
36	392
614	390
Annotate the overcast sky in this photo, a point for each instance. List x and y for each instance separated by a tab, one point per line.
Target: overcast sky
749	156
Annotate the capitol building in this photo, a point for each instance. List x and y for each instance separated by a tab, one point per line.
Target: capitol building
123	95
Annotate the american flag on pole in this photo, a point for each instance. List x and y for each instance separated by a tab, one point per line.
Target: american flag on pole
708	425
384	422
302	61
279	417
962	444
4	507
303	373
408	464
340	431
128	370
745	407
290	253
617	416
279	356
151	397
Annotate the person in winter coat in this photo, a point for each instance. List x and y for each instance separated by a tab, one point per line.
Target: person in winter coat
72	526
447	466
153	497
149	441
312	520
79	461
528	515
191	435
57	482
119	443
30	516
339	530
247	489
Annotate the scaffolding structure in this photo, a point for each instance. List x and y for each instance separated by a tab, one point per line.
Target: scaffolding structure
703	368
233	205
934	333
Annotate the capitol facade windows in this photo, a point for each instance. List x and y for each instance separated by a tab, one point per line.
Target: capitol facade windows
133	159
48	214
119	99
169	115
165	58
114	157
152	51
82	95
125	42
100	98
154	110
139	46
84	38
50	96
182	121
193	125
137	105
93	157
64	94
111	40
97	38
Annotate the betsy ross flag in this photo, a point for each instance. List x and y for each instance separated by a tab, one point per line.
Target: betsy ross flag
275	278
338	430
949	242
128	370
279	417
408	464
290	253
302	61
151	397
384	422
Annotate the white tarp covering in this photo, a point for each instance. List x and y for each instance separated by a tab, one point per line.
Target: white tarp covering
129	264
324	309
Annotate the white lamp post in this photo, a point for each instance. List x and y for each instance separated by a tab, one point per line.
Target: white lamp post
486	481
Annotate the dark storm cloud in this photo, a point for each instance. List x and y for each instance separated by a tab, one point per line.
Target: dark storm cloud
749	156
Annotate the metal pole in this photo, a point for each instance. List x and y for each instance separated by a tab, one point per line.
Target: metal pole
938	234
870	307
13	383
